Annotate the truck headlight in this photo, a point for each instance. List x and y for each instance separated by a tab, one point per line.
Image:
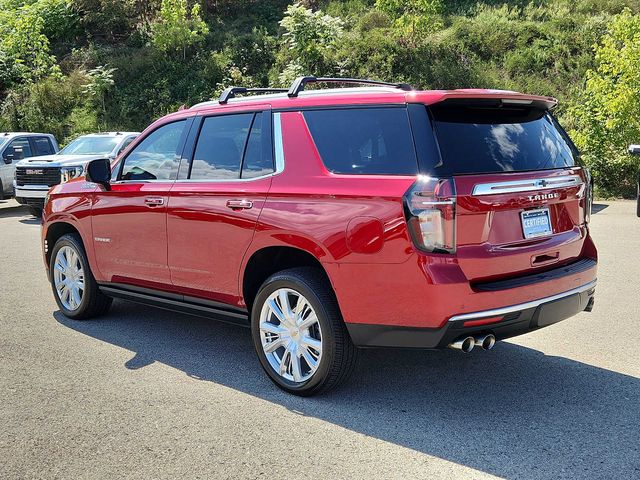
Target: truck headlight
69	173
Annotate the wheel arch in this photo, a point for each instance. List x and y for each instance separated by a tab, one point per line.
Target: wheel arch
54	232
268	260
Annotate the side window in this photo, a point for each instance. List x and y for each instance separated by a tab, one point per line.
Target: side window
220	145
17	150
43	146
256	163
366	141
125	145
156	156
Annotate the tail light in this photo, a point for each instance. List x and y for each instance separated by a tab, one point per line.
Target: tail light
430	209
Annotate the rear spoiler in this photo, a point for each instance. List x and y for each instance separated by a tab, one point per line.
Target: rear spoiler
495	99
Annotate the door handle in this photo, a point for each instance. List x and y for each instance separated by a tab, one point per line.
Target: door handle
239	204
154	201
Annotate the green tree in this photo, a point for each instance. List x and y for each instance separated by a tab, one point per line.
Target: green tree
608	114
24	44
413	18
309	39
176	28
100	81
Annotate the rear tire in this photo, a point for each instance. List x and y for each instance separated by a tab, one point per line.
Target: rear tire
314	352
35	211
1	191
74	287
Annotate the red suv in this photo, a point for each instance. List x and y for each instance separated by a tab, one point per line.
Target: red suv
332	219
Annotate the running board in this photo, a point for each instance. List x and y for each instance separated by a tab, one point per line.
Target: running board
177	303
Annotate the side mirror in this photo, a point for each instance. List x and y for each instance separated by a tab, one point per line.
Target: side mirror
634	149
8	158
99	171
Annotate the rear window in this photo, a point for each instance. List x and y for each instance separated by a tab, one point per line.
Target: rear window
366	141
486	140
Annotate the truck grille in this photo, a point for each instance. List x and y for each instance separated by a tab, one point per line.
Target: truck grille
37	176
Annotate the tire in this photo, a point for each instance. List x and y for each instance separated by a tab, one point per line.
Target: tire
337	356
35	211
93	302
1	191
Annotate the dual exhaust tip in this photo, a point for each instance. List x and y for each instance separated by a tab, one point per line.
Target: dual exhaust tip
466	344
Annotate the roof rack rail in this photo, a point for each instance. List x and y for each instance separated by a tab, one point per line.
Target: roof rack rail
299	83
230	92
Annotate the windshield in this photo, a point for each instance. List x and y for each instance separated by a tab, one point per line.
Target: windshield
487	140
90	146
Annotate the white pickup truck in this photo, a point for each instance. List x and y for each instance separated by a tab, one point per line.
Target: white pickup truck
16	146
36	175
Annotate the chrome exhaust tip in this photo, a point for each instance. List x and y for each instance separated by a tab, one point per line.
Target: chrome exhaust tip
464	344
486	342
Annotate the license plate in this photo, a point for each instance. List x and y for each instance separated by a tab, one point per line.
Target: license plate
536	223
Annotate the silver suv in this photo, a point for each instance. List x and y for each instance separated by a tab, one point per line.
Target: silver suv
34	176
16	146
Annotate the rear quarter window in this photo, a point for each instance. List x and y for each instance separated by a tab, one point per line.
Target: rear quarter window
364	141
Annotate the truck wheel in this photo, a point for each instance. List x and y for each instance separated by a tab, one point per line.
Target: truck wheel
35	211
298	333
74	287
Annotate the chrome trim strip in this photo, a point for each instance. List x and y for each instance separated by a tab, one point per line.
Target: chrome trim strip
516	186
438	202
277	143
522	306
27	193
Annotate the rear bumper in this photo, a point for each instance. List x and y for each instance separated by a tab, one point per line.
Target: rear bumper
504	322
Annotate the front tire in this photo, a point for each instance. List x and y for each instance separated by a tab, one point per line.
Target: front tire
298	333
35	211
74	287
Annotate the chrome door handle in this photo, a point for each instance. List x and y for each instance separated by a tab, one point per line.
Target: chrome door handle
154	201
239	204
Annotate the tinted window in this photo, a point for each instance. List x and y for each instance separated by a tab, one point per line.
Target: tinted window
364	140
484	140
90	145
220	146
257	162
43	146
156	157
19	148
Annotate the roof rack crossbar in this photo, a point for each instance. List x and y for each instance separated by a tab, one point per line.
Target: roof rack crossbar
230	92
299	83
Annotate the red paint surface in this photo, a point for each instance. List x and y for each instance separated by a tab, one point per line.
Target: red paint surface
354	225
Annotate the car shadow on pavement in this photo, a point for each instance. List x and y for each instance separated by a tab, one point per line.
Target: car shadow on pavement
598	207
12	212
512	412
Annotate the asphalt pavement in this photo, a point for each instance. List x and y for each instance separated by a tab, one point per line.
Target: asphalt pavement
146	393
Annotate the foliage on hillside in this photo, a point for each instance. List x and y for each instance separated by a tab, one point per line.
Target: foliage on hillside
72	66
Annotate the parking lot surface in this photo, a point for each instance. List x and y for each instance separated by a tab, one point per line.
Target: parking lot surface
145	393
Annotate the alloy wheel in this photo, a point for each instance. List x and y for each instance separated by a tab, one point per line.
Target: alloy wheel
68	278
290	335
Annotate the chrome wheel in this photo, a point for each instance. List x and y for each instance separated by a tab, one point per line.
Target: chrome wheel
68	278
290	335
